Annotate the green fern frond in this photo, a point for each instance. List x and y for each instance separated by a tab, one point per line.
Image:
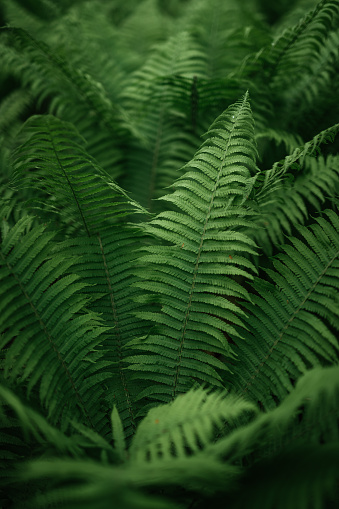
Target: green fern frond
226	31
53	159
90	484
192	272
107	256
184	456
313	402
186	425
296	48
310	99
106	263
35	429
39	63
49	339
290	204
290	140
291	321
269	181
303	457
151	101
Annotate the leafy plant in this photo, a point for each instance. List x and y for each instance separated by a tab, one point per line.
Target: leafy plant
169	254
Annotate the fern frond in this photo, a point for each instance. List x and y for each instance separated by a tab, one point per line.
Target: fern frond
269	180
106	264
151	101
184	456
90	484
186	425
311	98
49	338
289	205
53	159
292	320
201	250
295	50
107	256
46	63
226	30
295	447
35	429
309	413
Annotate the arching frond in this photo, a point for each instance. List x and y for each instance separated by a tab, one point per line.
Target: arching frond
106	256
295	50
269	180
70	91
201	248
292	320
290	204
42	61
184	457
50	340
186	425
31	427
299	463
52	158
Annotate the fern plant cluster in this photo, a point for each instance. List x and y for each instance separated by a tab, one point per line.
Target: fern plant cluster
169	254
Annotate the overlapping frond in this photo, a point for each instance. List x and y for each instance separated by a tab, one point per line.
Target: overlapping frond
268	181
52	158
35	62
50	340
173	448
200	251
107	263
29	426
102	307
295	447
226	31
106	256
151	100
296	49
186	425
290	204
292	320
68	89
310	98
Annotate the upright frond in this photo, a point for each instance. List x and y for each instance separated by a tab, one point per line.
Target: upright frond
201	250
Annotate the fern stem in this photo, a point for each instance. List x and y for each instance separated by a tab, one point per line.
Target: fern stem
117	335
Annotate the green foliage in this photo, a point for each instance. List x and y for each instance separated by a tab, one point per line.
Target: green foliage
169	254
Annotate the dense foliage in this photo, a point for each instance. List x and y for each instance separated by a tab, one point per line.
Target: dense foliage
169	254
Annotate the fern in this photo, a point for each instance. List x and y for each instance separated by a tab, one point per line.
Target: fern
169	254
38	291
297	311
202	245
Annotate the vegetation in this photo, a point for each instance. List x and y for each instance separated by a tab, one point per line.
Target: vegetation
169	254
